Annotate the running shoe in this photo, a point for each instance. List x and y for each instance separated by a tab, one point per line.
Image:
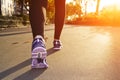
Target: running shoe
39	53
57	45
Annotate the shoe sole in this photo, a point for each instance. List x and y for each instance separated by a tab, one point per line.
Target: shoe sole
39	53
40	65
57	48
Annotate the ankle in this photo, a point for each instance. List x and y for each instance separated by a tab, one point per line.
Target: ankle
56	40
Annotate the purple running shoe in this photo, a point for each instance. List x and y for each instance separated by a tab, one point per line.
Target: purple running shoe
57	45
39	53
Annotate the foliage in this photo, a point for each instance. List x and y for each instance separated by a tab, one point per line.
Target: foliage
73	10
108	16
50	11
10	21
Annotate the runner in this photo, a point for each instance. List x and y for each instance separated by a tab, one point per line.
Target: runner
37	20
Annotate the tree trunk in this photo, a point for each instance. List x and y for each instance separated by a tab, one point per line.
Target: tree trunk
97	7
21	2
7	7
0	8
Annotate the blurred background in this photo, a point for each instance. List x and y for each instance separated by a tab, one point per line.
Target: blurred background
15	13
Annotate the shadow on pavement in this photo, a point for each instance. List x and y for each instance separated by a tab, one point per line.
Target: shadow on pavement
14	69
10	34
30	74
51	51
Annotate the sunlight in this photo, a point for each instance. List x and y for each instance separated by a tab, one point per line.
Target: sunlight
103	38
89	6
68	1
105	3
73	17
103	42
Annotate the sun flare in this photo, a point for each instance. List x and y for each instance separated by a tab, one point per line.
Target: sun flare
68	1
105	3
91	4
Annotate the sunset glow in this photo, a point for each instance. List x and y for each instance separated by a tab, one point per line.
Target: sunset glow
91	4
68	1
105	3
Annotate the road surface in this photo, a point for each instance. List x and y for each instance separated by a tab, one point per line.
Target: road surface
88	53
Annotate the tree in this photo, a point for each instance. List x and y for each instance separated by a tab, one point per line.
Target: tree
21	2
21	7
6	7
97	7
50	11
0	8
73	10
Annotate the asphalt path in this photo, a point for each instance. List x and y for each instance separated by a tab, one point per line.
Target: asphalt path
88	53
